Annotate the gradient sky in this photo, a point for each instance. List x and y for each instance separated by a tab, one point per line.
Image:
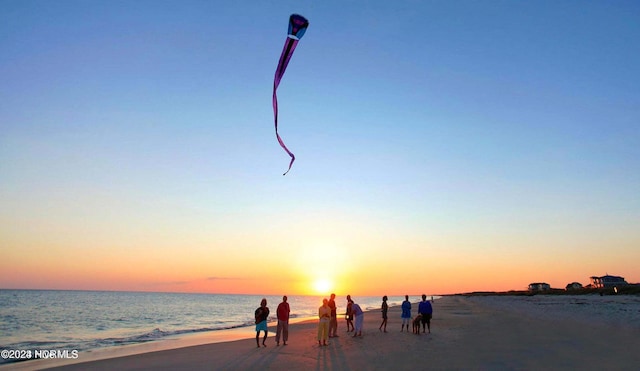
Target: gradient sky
442	146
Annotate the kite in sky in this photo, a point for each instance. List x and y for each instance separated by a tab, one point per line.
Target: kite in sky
297	26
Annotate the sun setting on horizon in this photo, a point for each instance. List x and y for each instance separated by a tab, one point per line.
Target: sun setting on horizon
322	286
324	266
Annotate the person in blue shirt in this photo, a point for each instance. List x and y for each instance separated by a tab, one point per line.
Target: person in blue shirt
426	310
359	317
406	313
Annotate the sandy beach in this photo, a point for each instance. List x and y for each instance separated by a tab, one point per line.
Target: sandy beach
477	333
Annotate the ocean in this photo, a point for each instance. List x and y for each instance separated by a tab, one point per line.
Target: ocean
88	320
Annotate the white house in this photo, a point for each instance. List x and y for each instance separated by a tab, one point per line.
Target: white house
608	281
539	286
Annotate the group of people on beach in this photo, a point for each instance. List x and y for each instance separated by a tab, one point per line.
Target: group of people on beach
328	319
425	313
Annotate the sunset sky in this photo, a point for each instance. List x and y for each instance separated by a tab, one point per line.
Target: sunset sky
442	146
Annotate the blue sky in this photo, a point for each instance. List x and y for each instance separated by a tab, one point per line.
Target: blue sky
477	129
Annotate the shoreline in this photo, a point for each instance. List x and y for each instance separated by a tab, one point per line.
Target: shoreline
168	343
467	333
139	322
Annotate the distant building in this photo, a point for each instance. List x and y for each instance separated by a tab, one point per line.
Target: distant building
574	286
608	281
539	286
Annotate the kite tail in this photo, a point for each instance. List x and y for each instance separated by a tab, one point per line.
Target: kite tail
287	52
293	157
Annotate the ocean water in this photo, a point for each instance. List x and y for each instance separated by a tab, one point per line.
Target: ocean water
86	320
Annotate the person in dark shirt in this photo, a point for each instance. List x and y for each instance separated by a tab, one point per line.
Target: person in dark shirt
262	313
385	309
349	314
426	310
333	324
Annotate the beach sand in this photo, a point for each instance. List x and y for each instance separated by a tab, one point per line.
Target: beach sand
468	333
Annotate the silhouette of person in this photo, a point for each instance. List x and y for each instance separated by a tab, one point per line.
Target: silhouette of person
262	313
426	310
349	314
333	324
406	313
385	309
283	321
324	315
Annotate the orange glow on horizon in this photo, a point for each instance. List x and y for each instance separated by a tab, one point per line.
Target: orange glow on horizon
366	268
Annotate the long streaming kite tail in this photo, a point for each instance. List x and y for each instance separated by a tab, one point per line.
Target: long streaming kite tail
293	157
287	52
275	111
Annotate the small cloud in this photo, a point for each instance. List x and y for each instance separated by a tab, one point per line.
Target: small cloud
170	283
178	283
216	278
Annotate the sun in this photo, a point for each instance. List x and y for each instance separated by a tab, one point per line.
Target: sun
322	286
322	279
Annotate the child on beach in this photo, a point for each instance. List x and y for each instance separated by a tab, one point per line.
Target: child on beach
349	314
262	313
385	308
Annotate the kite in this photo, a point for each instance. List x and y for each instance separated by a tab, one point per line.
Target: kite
297	26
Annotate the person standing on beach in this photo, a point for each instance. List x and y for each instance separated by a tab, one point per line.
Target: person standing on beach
359	317
324	315
333	324
406	313
426	310
283	321
349	315
385	309
262	313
